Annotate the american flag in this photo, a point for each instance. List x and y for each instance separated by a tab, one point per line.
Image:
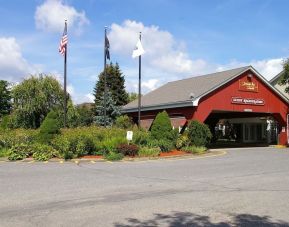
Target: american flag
63	41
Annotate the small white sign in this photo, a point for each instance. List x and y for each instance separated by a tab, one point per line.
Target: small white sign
129	135
283	129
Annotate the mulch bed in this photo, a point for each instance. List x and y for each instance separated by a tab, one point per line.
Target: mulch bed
162	154
92	157
172	153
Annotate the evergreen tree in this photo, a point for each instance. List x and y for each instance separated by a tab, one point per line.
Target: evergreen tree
161	128
112	111
5	98
49	127
115	84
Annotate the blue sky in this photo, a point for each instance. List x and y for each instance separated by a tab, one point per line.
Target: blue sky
181	39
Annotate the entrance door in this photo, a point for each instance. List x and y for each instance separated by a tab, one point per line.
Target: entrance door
252	132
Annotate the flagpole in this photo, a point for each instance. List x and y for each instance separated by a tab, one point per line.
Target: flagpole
139	85
104	71
65	67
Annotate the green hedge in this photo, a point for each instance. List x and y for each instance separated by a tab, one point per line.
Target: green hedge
199	134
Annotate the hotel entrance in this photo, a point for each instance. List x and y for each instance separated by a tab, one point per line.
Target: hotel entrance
243	131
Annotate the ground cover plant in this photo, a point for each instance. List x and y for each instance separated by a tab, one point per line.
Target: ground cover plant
149	152
194	149
48	142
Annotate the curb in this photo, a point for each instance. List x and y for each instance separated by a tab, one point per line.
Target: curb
278	146
210	153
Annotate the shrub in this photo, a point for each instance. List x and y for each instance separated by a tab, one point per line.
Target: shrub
127	149
4	152
11	138
61	144
194	149
141	137
49	127
4	123
43	152
20	151
112	156
164	145
75	142
182	141
84	146
161	128
149	152
199	134
124	122
39	152
110	144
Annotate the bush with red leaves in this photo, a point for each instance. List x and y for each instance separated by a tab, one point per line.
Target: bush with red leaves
128	149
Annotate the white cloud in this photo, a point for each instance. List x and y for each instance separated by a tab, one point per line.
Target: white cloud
13	66
166	58
163	51
51	14
70	89
267	67
89	97
82	98
150	84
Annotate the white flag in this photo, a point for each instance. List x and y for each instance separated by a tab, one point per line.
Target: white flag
138	50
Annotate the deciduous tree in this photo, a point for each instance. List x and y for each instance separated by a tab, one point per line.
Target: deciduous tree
34	98
5	98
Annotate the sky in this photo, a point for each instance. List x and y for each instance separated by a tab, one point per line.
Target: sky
181	39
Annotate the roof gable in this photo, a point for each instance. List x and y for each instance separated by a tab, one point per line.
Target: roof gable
188	92
181	91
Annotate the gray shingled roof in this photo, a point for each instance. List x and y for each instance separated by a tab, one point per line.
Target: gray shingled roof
180	91
275	79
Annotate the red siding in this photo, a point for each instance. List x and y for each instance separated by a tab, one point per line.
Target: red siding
220	99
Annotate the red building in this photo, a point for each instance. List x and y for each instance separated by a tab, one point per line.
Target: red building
239	98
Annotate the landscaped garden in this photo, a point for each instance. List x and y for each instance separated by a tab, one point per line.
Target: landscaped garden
50	141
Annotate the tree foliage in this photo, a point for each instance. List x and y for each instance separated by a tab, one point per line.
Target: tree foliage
132	96
161	128
284	80
5	98
199	133
124	122
115	84
34	98
49	127
112	111
86	114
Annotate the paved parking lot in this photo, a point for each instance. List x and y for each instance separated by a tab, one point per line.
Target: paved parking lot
245	187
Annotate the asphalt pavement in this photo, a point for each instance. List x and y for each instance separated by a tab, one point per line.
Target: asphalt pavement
244	187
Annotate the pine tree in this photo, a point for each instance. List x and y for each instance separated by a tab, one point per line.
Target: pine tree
112	111
5	98
115	83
